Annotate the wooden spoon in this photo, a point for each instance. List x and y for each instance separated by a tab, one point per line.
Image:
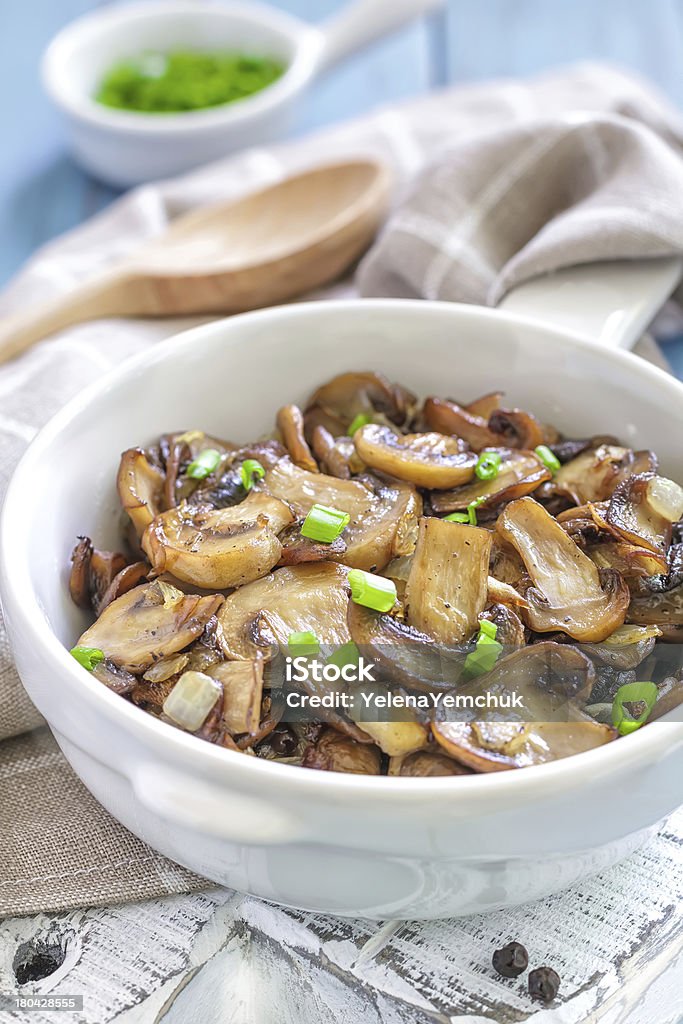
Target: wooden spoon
263	249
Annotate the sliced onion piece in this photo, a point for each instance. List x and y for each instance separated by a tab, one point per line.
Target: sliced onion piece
665	498
191	699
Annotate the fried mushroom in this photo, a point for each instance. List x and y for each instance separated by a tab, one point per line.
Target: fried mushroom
427	460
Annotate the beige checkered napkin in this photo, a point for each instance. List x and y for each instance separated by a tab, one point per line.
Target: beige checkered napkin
516	188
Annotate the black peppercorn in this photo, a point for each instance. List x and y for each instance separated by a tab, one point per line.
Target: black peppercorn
544	984
512	960
283	741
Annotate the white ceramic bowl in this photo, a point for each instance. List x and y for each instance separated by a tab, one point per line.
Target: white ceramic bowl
377	847
125	148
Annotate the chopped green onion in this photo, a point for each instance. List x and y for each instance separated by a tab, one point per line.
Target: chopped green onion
347	654
361	420
470	516
204	464
324	524
633	693
487	651
548	458
488	465
372	591
457	517
88	657
249	470
305	644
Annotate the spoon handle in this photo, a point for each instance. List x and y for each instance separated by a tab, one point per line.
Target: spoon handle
109	295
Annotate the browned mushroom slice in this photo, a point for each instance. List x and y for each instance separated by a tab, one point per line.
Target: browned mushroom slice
297	549
446	590
660	609
79	579
593	475
149	623
301	490
218	548
517	428
115	678
141	487
486	405
402	654
520	473
450	418
510	628
242	683
586	524
300	598
643	509
428	460
350	394
162	670
334	752
290	423
181	450
425	763
337	455
626	648
568	593
387	530
130	576
499	746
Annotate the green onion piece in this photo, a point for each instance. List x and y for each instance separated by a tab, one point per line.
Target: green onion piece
548	458
88	657
488	628
372	591
305	644
361	420
484	656
204	464
633	693
457	517
347	654
249	470
488	465
324	524
472	510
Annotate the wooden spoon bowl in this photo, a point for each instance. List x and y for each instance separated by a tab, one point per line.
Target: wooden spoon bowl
265	248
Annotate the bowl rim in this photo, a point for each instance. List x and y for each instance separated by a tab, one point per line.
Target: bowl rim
307	43
640	748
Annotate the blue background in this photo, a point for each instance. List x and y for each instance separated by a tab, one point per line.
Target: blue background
42	193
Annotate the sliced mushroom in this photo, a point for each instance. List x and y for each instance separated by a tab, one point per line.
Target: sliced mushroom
79	579
499	746
386	531
141	488
130	576
165	669
517	428
149	623
297	549
290	423
594	475
634	563
337	455
301	490
520	473
449	418
428	460
568	593
93	573
334	752
402	654
242	683
425	763
447	587
510	631
300	598
626	648
643	509
351	394
218	548
115	678
486	405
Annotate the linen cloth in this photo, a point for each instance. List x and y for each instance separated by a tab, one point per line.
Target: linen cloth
521	177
